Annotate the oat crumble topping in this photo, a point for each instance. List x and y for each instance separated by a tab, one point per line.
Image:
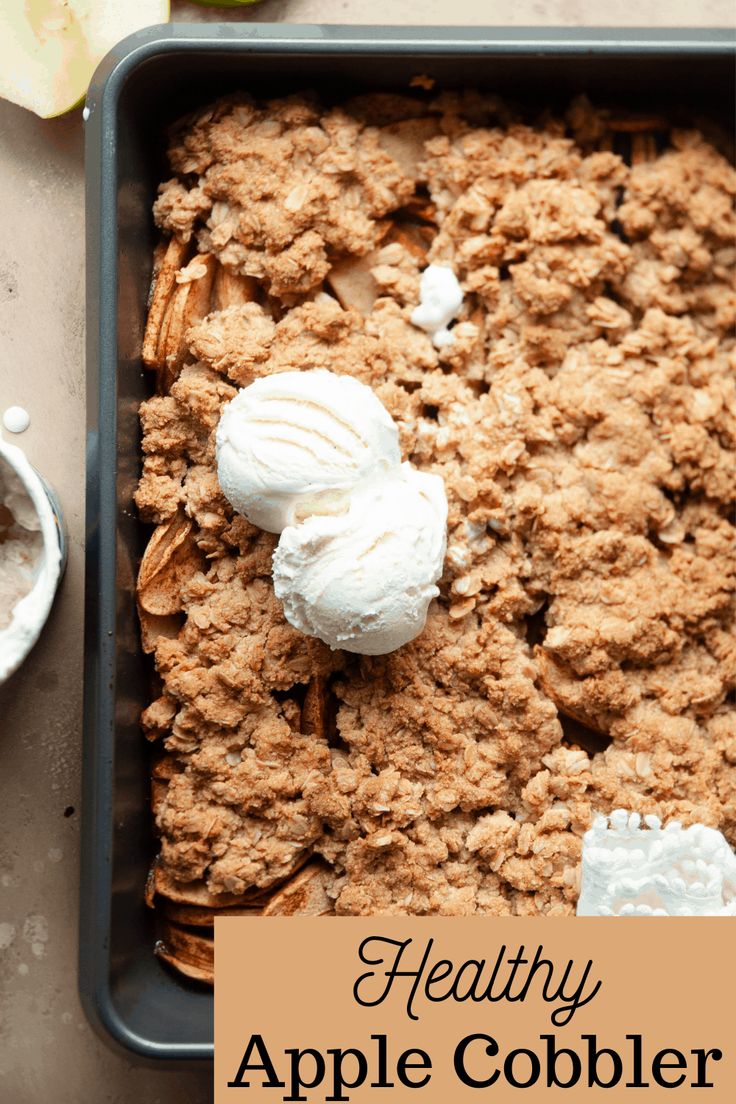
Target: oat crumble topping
582	654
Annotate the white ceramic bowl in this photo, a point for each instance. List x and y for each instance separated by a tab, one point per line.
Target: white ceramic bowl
30	613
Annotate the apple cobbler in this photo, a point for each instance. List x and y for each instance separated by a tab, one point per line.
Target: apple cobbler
581	655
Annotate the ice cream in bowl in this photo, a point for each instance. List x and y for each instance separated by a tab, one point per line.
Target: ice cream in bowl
31	556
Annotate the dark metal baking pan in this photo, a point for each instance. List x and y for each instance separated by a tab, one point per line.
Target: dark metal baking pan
146	82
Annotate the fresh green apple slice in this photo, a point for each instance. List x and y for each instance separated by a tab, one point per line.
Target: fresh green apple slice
49	49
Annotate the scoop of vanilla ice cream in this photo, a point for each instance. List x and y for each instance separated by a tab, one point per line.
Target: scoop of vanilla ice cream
363	581
296	444
441	298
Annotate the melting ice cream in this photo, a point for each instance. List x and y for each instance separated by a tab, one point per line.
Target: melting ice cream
21	543
440	300
632	868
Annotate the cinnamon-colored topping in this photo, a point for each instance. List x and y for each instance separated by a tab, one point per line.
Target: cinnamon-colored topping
582	653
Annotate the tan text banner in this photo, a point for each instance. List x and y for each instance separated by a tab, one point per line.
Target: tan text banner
460	1009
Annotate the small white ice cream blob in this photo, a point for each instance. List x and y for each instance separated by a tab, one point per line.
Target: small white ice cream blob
440	300
16	419
297	443
363	581
630	869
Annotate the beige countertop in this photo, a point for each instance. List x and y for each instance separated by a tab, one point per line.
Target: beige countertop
47	1050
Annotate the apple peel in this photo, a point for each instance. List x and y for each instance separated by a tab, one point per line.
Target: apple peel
51	48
